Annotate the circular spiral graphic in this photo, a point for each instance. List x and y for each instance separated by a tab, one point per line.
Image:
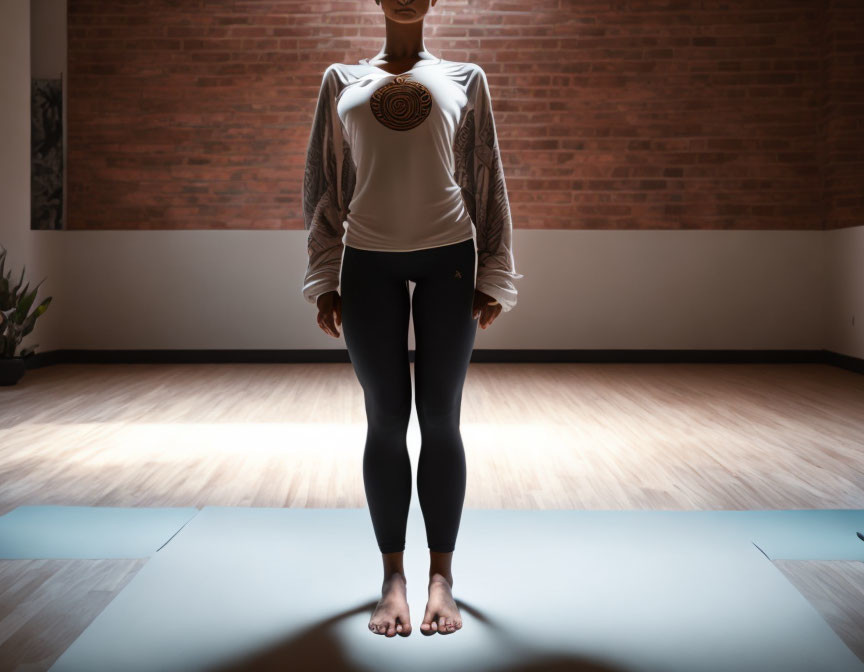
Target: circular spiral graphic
402	104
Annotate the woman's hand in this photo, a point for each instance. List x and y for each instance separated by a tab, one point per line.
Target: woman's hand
484	310
330	312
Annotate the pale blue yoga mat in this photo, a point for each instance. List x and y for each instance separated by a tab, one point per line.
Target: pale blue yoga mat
88	531
806	534
623	591
130	532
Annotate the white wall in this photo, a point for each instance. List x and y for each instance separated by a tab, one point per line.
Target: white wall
844	295
582	289
15	133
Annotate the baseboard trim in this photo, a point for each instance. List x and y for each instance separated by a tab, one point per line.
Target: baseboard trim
854	364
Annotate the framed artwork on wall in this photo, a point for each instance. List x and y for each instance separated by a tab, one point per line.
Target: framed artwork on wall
46	153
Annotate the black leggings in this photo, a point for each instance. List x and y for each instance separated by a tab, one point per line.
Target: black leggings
375	312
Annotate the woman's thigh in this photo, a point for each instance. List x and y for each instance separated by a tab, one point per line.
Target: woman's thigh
375	314
444	329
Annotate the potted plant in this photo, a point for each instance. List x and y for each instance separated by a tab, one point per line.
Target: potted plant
16	321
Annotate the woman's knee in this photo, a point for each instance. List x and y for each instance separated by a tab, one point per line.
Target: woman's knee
388	417
440	419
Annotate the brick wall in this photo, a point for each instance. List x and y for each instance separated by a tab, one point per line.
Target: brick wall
612	114
843	114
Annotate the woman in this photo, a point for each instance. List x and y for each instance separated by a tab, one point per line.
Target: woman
403	155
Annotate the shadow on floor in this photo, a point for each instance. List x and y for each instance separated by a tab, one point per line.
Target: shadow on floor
317	648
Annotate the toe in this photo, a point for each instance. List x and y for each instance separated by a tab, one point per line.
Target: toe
442	624
426	624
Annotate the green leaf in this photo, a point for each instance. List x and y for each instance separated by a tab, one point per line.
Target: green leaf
25	303
30	322
20	281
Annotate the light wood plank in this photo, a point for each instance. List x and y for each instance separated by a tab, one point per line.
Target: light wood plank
836	589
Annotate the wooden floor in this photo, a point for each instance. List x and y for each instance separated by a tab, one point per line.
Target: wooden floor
537	436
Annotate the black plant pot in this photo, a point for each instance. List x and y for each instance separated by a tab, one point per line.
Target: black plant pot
11	370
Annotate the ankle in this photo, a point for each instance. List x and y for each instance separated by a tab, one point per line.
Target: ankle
395	575
393	564
440	577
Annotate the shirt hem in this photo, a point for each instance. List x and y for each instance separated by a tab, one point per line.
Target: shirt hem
416	249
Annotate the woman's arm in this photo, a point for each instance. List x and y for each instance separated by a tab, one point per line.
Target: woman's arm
480	173
328	185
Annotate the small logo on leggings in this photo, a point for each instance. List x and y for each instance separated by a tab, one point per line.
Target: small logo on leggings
458	275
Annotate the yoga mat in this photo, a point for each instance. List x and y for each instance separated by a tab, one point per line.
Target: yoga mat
539	590
88	531
802	534
798	534
64	531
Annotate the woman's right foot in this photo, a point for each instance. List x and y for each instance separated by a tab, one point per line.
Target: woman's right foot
392	616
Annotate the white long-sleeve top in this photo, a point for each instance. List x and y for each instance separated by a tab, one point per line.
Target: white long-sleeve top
406	162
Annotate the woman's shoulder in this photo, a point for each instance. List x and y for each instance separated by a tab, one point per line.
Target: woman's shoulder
472	72
467	65
342	73
335	68
465	72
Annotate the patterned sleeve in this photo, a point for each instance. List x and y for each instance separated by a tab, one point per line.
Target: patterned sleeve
328	184
480	174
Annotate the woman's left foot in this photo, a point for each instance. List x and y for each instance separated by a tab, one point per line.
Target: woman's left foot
442	615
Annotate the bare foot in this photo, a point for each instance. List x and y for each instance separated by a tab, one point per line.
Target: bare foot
391	615
442	615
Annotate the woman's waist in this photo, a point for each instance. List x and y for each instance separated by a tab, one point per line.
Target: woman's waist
406	233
